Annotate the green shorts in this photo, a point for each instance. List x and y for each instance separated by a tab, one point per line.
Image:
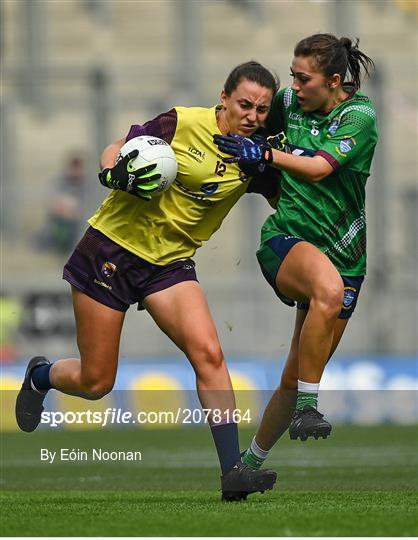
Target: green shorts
270	257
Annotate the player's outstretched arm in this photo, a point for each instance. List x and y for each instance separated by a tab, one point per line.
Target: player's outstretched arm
247	151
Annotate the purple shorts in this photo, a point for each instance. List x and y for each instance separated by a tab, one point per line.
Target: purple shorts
117	278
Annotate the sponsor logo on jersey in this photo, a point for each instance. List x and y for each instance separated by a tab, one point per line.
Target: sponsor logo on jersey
349	297
314	129
332	128
346	145
197	154
154	142
295	116
209	188
188	266
196	196
109	269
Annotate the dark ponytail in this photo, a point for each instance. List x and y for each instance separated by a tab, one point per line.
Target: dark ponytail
333	55
356	61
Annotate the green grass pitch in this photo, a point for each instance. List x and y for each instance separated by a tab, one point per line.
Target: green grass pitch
360	482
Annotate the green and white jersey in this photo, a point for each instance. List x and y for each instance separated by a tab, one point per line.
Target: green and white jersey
331	213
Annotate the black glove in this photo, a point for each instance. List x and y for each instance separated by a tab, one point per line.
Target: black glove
278	141
139	182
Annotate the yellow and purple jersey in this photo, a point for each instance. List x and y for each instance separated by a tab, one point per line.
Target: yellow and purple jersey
175	223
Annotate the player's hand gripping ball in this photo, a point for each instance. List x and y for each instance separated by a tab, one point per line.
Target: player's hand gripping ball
145	166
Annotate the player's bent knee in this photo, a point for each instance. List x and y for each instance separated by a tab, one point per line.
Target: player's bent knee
95	390
207	357
328	299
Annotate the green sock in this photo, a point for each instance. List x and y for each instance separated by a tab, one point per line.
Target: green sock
307	398
250	459
254	456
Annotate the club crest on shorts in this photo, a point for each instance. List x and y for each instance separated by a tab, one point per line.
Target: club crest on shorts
349	297
109	269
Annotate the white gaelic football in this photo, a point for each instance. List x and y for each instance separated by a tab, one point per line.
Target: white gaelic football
153	150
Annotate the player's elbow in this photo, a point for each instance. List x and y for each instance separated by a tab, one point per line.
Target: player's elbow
312	176
317	176
319	169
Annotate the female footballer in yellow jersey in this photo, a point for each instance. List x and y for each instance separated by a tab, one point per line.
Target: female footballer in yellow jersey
138	249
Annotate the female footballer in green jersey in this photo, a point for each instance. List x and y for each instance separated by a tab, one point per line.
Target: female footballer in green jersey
313	249
138	249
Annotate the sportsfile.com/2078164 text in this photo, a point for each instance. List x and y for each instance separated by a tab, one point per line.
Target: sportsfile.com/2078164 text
112	416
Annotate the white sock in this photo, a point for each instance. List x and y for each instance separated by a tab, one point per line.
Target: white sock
256	450
311	388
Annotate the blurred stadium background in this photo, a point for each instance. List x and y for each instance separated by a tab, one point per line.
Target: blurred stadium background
75	74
